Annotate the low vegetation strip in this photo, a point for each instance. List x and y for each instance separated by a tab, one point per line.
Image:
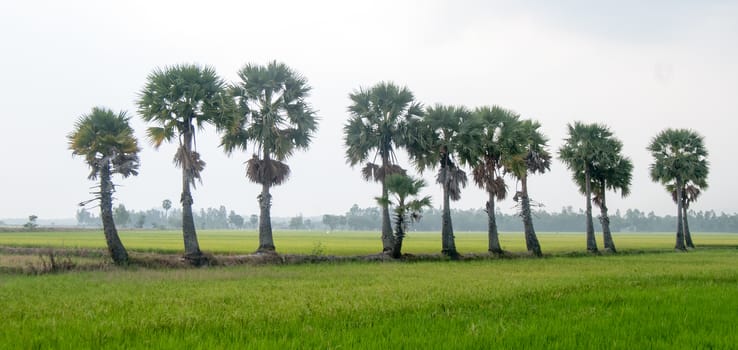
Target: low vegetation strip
670	300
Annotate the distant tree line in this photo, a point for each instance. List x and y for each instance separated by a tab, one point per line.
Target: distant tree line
369	219
209	218
565	220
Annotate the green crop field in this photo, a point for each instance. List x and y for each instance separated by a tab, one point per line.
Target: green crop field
344	243
657	299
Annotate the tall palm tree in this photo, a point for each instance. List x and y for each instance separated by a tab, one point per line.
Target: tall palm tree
680	157
107	142
166	205
529	155
434	142
581	152
402	188
276	120
491	131
179	100
690	193
374	131
612	171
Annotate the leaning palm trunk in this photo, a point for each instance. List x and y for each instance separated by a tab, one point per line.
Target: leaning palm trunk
531	240
447	229
493	235
605	221
687	234
680	218
115	246
591	242
266	240
191	245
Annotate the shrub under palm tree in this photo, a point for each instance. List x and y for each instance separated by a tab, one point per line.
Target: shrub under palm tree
402	188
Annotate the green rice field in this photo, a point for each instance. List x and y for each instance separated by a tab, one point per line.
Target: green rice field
344	243
650	297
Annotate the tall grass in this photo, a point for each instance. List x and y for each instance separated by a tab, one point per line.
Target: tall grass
671	300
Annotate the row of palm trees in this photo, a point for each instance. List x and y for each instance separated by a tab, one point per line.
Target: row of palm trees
266	113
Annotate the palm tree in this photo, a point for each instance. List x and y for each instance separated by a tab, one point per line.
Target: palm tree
276	120
180	100
581	152
680	157
529	155
107	142
403	187
690	193
434	141
491	131
166	205
612	171
379	117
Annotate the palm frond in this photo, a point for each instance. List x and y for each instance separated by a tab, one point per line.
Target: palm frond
191	163
271	171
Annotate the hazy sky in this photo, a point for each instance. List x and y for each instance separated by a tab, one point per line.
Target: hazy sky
636	66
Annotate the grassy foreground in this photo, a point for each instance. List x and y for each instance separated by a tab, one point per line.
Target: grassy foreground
640	301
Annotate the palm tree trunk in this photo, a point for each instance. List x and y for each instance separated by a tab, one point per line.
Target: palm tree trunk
591	242
493	235
447	228
189	234
387	239
266	240
680	219
605	221
531	241
115	246
399	233
687	234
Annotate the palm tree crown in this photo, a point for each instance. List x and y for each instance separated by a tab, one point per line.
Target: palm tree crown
273	114
105	138
679	154
181	99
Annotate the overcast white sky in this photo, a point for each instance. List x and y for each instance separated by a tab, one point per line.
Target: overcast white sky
636	66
